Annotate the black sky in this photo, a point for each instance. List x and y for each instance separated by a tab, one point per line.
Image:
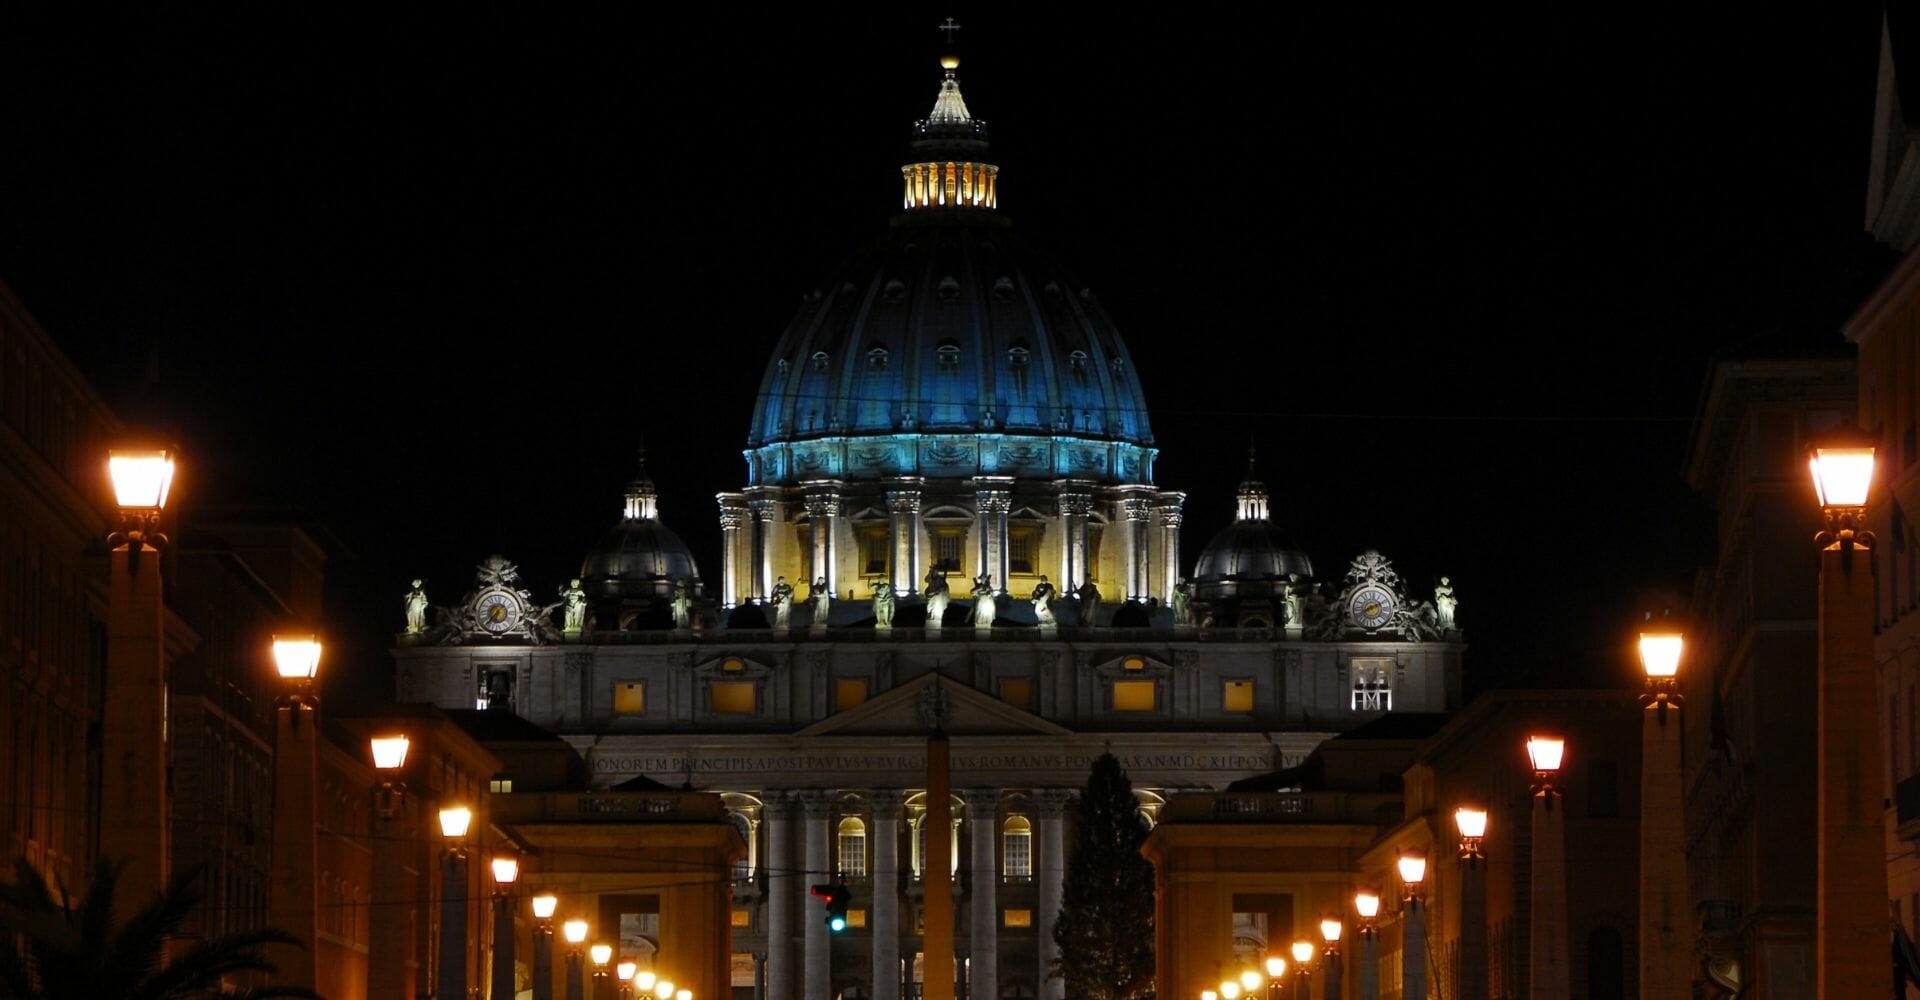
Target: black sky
430	275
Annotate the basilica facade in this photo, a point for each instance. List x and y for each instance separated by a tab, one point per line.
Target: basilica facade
949	522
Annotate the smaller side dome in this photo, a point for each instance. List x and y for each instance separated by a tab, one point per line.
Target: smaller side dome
640	558
1248	558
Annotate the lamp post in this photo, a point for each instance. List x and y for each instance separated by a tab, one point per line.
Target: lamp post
543	907
506	870
1850	946
1330	929
1471	821
601	955
296	764
1366	904
1303	969
644	982
576	932
390	918
1547	967
623	978
454	821
1249	981
664	990
1666	953
134	819
1276	975
1413	930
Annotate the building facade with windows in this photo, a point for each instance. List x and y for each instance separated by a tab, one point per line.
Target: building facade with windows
950	523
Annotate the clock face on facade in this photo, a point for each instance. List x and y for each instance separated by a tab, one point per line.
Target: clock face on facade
497	612
1371	607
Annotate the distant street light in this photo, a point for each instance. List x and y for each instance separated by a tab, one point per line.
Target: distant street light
1471	821
1366	904
1548	962
1413	934
1666	950
1330	929
576	934
544	906
454	821
506	870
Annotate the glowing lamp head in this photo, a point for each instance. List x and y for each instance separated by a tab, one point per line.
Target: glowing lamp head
505	870
1546	752
544	905
1660	653
683	995
575	930
601	954
1209	995
644	981
389	752
1229	990
1842	467
454	822
1366	902
1276	967
1472	822
664	989
141	478
1413	867
296	657
1302	952
1330	929
1250	981
624	971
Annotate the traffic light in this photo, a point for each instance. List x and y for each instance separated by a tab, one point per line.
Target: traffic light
835	895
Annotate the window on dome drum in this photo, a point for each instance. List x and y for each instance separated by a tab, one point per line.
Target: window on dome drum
1017	692
853	848
1237	696
874	545
1372	685
1133	696
1021	544
732	697
946	548
1016	842
629	698
848	692
948	355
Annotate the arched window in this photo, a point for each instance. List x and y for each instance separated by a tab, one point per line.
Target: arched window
853	848
1016	837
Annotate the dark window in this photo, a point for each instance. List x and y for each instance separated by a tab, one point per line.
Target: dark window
948	554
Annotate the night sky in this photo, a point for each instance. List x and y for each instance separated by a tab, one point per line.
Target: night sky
428	278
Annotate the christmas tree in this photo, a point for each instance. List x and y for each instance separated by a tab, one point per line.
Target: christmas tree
1105	929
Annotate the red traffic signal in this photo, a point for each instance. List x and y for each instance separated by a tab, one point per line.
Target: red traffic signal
835	896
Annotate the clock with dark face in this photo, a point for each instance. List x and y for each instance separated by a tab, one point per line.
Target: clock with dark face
1370	607
498	612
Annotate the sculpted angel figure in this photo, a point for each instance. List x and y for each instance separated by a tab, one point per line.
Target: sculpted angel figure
937	596
984	605
1296	595
782	602
573	601
1089	596
682	604
1043	595
1183	602
416	603
1444	604
882	604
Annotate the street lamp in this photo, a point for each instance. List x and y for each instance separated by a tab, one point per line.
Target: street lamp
1330	929
601	955
390	957
1850	913
1471	821
506	870
644	982
1413	933
389	757
1276	974
1366	904
1303	950
454	821
576	934
292	891
1249	980
544	906
1229	989
1548	962
1666	953
664	989
623	977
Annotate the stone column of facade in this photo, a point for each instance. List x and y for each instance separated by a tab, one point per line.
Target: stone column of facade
993	496
1167	515
766	516
1666	947
1051	874
903	504
823	511
1134	513
984	921
819	868
734	516
1075	506
884	921
1850	942
783	891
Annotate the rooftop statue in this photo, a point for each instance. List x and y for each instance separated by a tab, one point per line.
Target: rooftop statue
882	604
1089	596
682	603
782	602
574	600
1183	603
1043	596
416	603
1444	605
937	596
985	607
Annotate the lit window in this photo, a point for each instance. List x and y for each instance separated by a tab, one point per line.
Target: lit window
1237	696
876	549
743	918
848	693
1020	546
501	786
1133	663
1018	918
629	698
733	666
853	848
1133	696
1017	846
947	549
733	698
856	918
1372	685
1018	693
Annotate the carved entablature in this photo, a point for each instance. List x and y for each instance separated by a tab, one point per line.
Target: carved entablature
949	455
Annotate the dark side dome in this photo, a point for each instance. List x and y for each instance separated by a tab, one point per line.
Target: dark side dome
1248	557
950	338
639	557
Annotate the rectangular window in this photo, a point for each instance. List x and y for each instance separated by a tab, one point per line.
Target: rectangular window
875	546
629	698
733	698
1372	685
848	693
1133	696
742	918
1237	696
1016	844
1018	693
500	786
1020	546
856	918
946	546
1017	918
